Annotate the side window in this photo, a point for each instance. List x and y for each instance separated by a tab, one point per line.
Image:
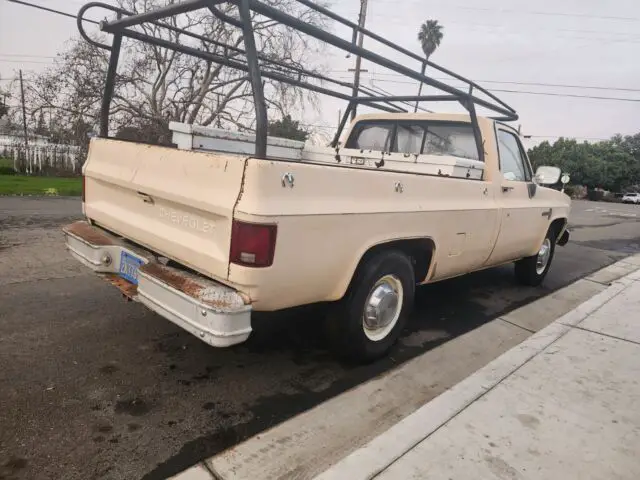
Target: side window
408	139
376	136
513	163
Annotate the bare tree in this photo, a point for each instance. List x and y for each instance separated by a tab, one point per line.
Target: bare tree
155	85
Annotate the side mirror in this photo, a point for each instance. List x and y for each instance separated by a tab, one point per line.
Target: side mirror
547	175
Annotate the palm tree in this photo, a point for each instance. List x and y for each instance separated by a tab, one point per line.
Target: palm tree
430	35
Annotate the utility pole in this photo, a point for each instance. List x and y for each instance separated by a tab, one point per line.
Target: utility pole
24	125
356	76
24	114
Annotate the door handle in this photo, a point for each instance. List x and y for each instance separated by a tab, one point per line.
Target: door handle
506	189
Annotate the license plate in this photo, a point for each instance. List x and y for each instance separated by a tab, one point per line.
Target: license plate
129	266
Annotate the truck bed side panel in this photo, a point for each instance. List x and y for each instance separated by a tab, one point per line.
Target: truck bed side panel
332	215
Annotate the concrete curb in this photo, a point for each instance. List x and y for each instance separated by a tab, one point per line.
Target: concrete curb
378	454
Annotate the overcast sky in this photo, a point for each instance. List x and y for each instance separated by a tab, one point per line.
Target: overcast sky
574	42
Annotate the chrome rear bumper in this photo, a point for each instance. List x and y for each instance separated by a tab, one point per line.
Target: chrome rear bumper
216	314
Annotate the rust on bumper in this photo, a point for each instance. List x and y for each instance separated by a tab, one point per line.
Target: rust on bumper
193	286
127	288
88	233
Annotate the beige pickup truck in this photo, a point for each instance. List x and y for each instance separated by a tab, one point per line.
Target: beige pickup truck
205	234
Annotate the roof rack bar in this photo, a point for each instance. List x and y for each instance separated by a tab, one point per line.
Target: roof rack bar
410	98
322	35
260	65
224	17
397	48
155	14
358	28
231	20
243	67
470	82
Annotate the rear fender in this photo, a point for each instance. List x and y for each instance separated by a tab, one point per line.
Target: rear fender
421	249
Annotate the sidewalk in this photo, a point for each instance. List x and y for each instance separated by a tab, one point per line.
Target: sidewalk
563	404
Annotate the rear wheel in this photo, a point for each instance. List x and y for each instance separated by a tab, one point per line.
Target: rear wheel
366	323
532	270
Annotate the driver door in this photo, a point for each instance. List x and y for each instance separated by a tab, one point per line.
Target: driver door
524	219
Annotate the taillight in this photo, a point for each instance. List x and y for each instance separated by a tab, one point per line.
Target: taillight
252	244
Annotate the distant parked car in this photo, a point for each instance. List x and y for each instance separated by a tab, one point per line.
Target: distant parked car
631	198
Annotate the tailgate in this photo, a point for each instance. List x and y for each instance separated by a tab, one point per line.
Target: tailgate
176	203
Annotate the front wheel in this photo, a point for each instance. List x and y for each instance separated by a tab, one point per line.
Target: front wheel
532	270
366	323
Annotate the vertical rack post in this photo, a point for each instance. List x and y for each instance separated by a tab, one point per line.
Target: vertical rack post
110	84
255	78
477	133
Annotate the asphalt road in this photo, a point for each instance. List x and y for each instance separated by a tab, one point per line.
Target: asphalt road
94	387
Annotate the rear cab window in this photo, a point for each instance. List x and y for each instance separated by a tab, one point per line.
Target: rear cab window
415	137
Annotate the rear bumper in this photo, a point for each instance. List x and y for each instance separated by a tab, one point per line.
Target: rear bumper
215	313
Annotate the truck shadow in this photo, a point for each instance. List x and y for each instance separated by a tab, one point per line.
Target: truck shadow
291	345
442	311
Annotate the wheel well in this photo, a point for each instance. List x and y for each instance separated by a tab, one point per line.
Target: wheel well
419	250
557	225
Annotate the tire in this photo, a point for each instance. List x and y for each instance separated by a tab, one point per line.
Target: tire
355	337
529	271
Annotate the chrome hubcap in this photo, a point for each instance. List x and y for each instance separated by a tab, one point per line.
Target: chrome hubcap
382	307
543	256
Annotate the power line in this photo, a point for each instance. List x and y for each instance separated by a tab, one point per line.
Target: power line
625	38
567	136
630	37
50	10
3	60
391	19
569	95
511	82
526	92
24	55
534	12
58	12
553	14
384	74
398	19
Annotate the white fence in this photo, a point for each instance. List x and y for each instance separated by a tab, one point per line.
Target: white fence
43	158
